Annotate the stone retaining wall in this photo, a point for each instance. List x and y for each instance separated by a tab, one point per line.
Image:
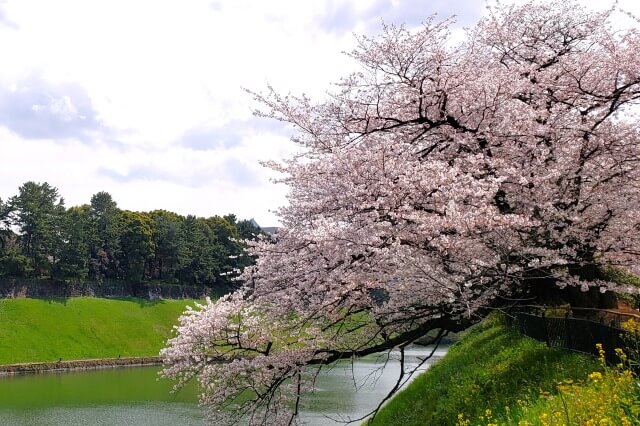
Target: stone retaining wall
30	287
82	364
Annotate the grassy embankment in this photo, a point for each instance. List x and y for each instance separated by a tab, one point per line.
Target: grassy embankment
33	330
495	376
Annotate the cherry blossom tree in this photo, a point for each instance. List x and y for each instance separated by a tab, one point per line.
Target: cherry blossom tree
437	183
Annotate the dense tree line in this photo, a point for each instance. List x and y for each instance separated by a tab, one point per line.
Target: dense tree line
40	237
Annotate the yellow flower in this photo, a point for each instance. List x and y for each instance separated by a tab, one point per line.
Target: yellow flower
631	326
595	376
601	354
462	421
621	355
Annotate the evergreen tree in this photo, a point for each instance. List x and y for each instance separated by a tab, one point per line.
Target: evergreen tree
37	211
104	240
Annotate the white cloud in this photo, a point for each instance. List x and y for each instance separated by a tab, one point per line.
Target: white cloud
144	99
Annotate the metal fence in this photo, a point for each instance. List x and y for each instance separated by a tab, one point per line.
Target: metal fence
576	329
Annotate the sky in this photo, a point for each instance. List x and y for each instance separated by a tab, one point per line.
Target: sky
146	100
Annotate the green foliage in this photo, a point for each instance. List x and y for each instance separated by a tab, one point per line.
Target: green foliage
198	258
37	210
621	277
168	242
104	236
248	230
15	264
99	241
136	244
34	330
229	249
607	397
631	338
73	259
491	367
5	232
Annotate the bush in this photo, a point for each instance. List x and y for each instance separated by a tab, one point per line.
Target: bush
607	397
14	264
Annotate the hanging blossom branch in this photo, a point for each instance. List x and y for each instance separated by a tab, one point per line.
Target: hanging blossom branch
437	184
403	377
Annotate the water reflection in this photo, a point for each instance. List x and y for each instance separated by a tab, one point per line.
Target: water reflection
349	391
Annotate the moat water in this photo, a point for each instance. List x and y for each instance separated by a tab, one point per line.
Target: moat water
135	395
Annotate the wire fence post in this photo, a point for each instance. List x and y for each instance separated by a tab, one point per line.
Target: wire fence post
546	327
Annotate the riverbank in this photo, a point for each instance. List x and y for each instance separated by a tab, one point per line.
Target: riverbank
490	376
53	330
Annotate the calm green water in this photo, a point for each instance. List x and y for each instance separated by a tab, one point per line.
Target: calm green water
135	396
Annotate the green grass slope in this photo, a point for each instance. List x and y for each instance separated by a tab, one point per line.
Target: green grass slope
34	330
491	367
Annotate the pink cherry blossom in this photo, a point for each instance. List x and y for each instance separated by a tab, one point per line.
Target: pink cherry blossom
437	183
